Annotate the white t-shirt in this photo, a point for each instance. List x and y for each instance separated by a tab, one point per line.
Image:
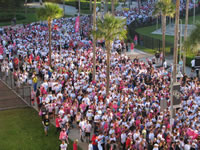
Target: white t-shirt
63	146
193	63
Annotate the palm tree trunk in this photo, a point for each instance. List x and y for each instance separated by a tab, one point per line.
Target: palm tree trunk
79	6
108	46
94	42
113	7
163	36
90	5
139	5
176	36
106	6
185	33
64	7
49	26
26	8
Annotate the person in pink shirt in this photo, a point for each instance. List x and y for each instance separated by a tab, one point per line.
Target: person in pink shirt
58	121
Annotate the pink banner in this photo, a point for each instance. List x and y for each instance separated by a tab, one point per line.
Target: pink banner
77	23
1	49
132	46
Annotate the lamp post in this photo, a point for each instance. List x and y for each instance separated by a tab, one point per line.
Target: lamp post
180	37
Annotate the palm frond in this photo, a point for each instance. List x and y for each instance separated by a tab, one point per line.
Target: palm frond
164	7
193	41
49	11
110	28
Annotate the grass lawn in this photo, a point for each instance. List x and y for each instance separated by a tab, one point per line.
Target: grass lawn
31	16
21	129
148	30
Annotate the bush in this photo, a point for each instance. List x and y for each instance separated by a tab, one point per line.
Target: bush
5	17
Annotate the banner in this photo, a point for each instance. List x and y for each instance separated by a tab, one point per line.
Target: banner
1	49
77	23
176	94
132	46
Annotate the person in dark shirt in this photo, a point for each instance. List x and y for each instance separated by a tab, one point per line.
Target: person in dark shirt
46	123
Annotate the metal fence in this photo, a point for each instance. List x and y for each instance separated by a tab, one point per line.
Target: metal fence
23	90
150	42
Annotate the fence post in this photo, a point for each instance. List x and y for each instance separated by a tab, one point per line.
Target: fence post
23	91
30	95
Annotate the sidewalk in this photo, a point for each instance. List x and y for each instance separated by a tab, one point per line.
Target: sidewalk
143	55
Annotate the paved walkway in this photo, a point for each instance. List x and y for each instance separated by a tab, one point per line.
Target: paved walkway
143	55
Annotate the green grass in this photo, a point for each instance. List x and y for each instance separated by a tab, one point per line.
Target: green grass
31	16
21	129
148	30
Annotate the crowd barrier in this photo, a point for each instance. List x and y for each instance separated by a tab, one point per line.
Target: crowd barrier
23	90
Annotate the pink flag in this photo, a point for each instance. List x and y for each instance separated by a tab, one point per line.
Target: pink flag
135	38
132	46
1	49
77	23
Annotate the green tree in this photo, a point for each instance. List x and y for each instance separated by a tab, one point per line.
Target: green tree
109	29
49	12
165	8
193	41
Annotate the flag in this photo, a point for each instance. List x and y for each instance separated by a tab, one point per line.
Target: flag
132	46
77	23
1	49
135	38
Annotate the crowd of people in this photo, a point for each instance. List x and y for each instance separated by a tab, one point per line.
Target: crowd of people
143	13
129	117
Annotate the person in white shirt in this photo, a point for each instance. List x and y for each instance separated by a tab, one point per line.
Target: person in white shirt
193	65
88	131
63	146
90	146
123	139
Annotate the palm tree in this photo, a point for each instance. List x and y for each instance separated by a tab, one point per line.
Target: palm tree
49	12
165	8
94	42
185	32
193	41
109	29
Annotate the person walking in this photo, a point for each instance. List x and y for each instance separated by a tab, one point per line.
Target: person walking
46	123
75	145
63	146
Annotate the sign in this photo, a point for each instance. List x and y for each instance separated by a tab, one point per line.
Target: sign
77	23
176	94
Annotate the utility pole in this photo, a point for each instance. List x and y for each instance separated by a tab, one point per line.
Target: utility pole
174	71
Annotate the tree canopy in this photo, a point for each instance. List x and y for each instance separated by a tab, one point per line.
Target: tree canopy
193	41
49	11
110	27
164	7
